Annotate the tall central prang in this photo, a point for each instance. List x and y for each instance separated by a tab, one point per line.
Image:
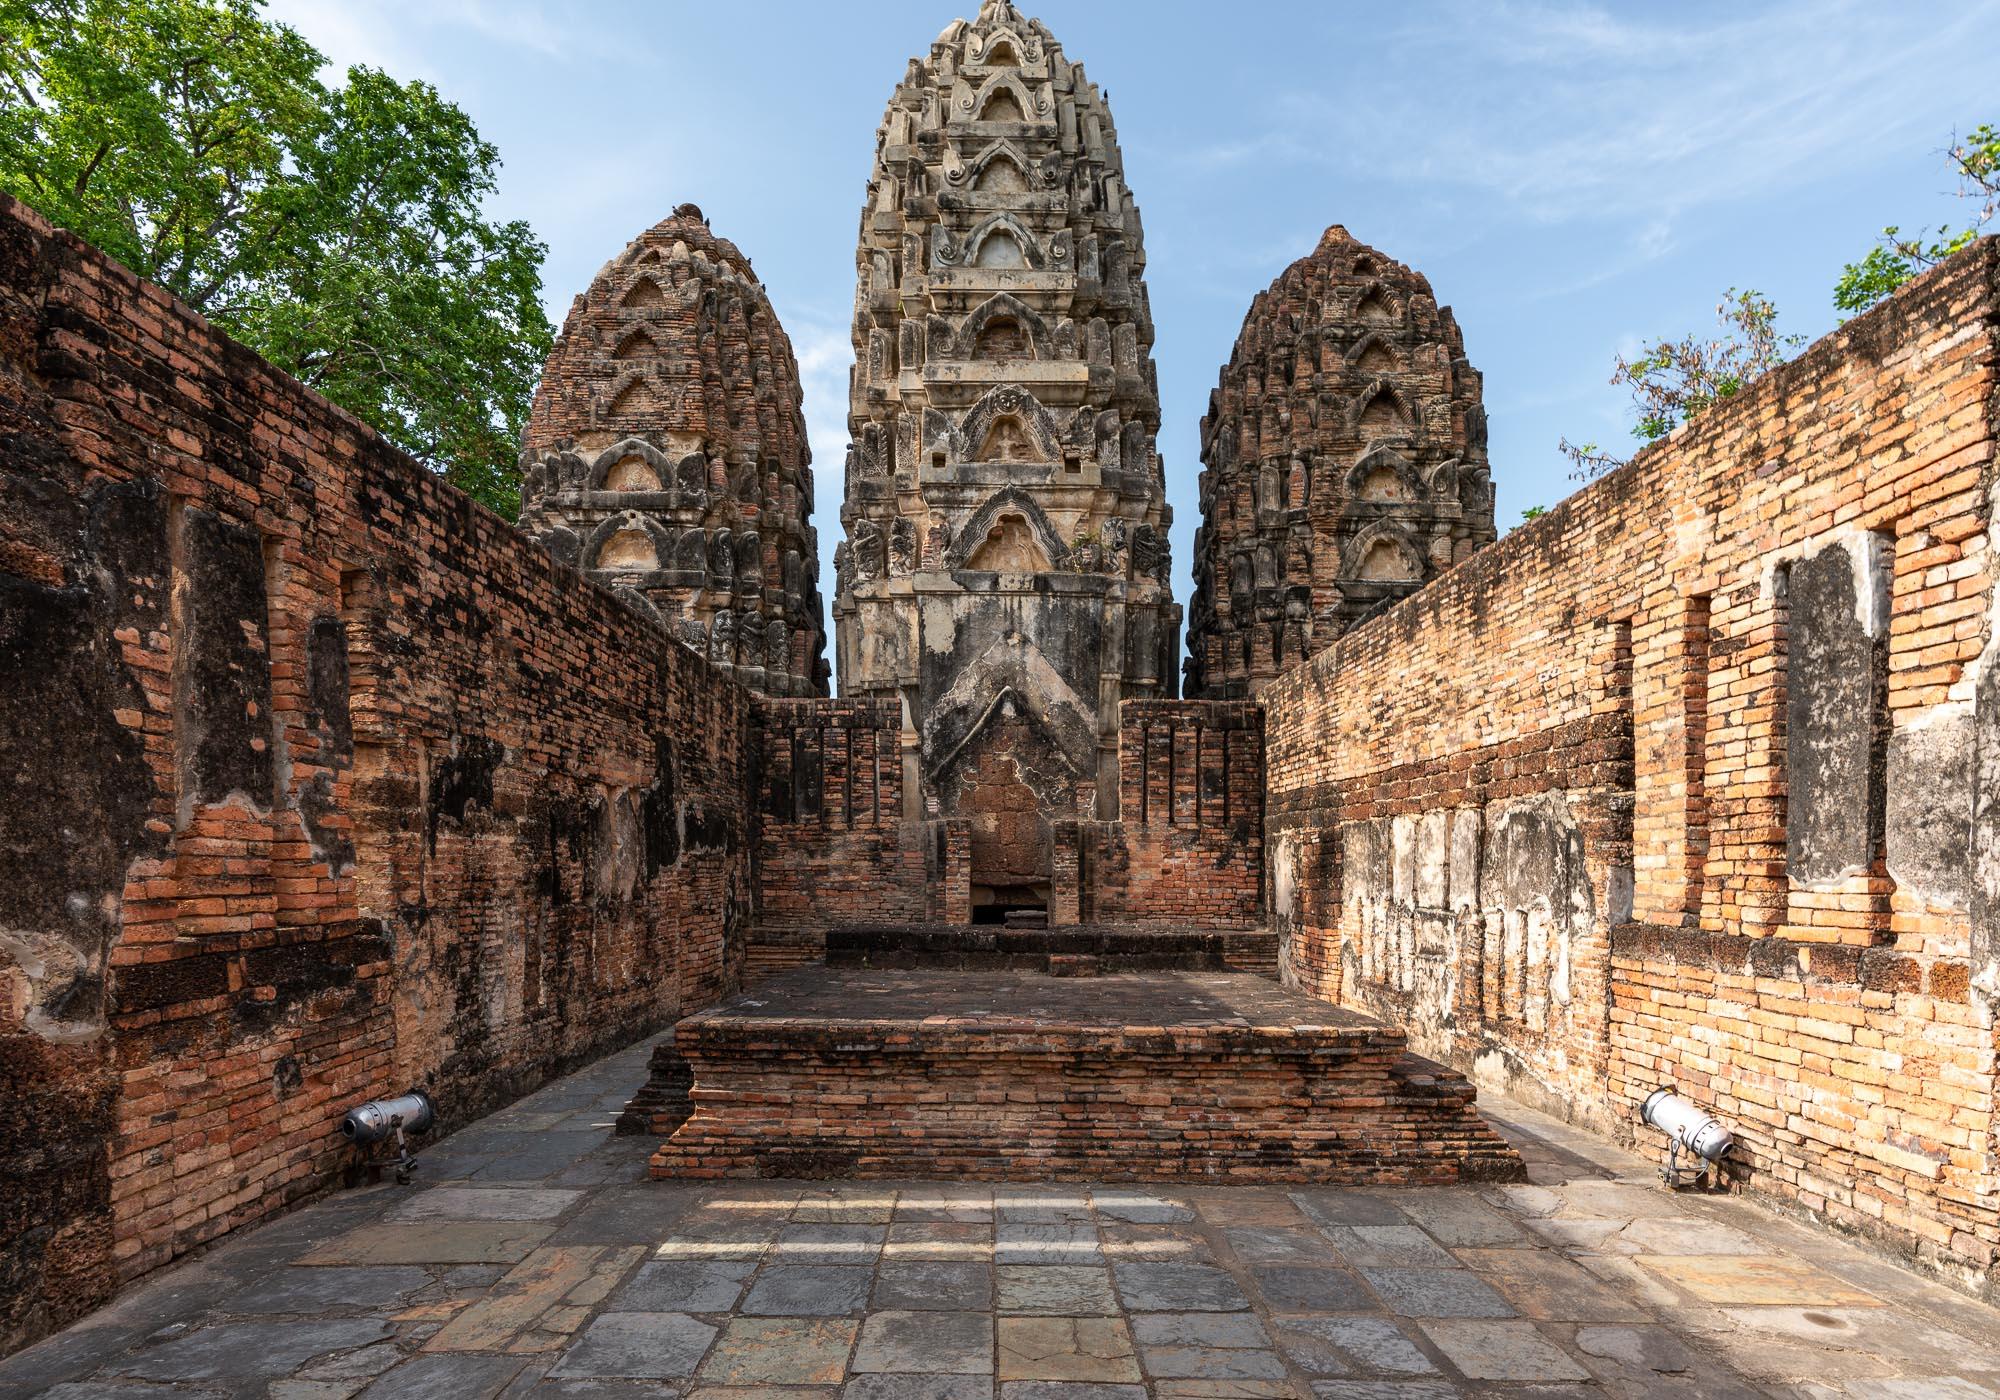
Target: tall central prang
1005	572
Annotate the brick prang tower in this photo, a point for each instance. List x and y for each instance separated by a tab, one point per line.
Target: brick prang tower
1005	572
666	456
1345	450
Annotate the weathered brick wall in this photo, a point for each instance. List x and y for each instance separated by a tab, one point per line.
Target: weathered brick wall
832	844
319	782
1188	845
1694	782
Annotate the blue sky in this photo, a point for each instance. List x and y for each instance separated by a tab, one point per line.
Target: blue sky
1572	178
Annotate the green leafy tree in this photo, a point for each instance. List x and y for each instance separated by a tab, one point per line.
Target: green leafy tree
1534	513
340	232
1897	257
1676	381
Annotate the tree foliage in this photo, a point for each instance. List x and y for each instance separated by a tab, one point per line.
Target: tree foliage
1676	381
338	231
1897	257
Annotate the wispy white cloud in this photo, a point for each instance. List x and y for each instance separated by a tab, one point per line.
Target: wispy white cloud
401	38
1584	111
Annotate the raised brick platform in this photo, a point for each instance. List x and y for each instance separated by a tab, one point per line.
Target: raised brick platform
848	1072
1072	949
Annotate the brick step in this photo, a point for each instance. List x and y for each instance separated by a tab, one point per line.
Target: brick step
1069	950
850	1072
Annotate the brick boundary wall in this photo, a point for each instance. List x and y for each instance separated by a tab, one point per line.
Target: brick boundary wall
355	789
1696	780
1187	847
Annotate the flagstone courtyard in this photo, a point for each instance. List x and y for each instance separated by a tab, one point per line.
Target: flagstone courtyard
534	1257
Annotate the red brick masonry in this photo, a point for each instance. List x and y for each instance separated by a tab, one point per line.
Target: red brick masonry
1004	1076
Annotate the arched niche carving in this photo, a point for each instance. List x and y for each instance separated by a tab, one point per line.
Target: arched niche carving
1002	225
627	543
1380	411
1038	426
1394	478
985	528
643	293
1372	355
1001	308
1383	553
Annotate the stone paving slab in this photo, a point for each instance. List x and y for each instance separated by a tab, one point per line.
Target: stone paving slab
587	1284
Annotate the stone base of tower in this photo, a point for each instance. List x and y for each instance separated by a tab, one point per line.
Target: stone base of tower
850	1072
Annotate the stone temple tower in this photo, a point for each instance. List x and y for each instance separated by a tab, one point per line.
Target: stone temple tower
666	455
1005	568
1346	464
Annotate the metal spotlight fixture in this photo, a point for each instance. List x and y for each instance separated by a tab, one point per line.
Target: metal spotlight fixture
1689	1128
379	1119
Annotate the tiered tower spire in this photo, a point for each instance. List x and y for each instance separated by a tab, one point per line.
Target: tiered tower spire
1006	563
666	455
1346	464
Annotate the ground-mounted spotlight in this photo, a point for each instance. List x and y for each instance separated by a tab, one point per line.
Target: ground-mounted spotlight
1689	1128
381	1119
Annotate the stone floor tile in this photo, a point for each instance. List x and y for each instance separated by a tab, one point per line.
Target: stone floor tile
434	1242
1586	1233
1249	1207
534	1308
440	1377
1348	1208
1066	1349
1457	1219
809	1290
356	1366
1137	1207
947	1202
233	1350
1200	1329
1683	1236
1043	1205
1290	1288
1384	1390
780	1351
1891	1334
1394	1246
1036	1242
303	1290
1212	1363
845	1207
1638	1349
829	1243
939	1240
637	1346
1155	1243
1742	1280
1245	1389
929	1286
1547	1286
1487	1350
1341	1346
738	1237
1629	1200
685	1285
157	1390
1070	1290
1437	1293
908	1386
958	1343
485	1203
643	1213
1069	1390
1150	1287
1275	1244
